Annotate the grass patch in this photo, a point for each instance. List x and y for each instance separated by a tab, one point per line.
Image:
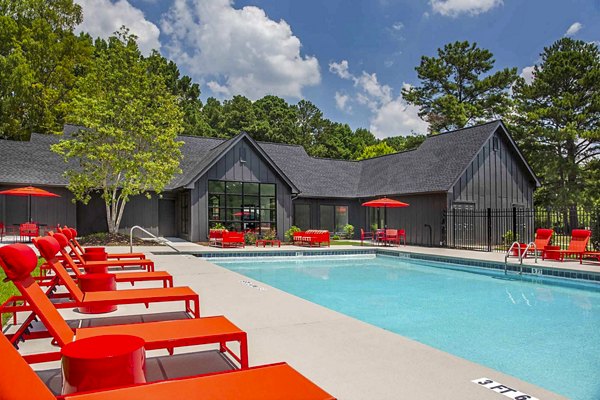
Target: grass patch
8	289
344	243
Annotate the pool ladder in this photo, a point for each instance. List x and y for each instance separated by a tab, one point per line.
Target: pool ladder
530	245
160	240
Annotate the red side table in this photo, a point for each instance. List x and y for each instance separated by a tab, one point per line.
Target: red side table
96	256
102	362
554	254
97	283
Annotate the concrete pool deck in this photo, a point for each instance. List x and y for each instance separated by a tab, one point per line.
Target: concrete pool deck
348	358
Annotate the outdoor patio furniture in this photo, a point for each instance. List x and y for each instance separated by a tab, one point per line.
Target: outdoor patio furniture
49	247
97	283
92	267
542	239
312	236
577	246
28	230
71	234
19	260
365	236
225	238
266	382
2	231
265	242
145	263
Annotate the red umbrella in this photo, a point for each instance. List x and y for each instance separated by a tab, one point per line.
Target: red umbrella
28	191
385	203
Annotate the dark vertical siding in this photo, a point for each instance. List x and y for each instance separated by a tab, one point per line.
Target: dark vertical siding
495	179
44	210
231	168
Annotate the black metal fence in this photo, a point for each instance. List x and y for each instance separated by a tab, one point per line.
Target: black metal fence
495	229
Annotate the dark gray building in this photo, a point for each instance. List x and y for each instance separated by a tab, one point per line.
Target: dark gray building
245	184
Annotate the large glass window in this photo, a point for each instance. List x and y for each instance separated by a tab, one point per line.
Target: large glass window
302	216
242	206
333	218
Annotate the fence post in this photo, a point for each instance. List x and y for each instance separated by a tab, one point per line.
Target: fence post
489	229
514	223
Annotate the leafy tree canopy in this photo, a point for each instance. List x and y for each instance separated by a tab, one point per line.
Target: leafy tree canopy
376	150
557	122
132	120
457	88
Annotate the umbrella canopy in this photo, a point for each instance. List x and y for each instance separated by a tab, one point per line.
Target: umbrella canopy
385	203
28	191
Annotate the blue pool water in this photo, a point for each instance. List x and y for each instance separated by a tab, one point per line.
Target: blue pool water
538	330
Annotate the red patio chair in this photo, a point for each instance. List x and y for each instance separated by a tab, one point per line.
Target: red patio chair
542	238
19	260
577	246
18	381
28	230
365	235
401	236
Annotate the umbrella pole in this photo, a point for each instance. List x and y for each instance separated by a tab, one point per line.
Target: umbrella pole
29	208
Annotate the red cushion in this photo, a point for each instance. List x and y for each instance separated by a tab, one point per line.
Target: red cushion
73	233
66	232
48	246
17	260
62	240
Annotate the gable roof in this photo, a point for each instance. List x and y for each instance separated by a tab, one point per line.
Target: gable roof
435	166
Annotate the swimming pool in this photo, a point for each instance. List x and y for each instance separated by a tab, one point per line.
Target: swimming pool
543	331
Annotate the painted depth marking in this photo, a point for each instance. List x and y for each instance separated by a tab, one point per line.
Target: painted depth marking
503	389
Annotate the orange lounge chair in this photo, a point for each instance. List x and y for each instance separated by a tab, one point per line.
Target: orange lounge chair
542	238
49	247
18	381
577	246
71	234
145	263
130	277
19	260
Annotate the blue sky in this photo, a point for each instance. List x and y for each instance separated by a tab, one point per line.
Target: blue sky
351	58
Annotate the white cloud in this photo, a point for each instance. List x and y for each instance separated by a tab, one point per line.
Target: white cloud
341	101
102	18
238	51
397	118
390	116
454	8
574	29
527	73
397	26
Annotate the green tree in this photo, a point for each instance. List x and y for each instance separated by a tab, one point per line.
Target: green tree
275	121
40	62
376	150
457	88
359	141
310	123
237	115
129	144
557	121
404	143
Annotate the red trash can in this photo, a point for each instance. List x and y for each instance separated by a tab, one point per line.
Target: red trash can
97	283
102	362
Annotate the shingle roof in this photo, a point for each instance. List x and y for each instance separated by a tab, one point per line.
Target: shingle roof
433	167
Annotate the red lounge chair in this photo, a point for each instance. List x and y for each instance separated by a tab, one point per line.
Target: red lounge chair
19	260
401	236
542	238
49	247
71	234
145	263
18	381
131	277
312	236
365	236
577	246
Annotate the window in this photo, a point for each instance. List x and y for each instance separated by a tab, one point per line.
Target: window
341	218
495	143
242	206
302	216
327	218
185	212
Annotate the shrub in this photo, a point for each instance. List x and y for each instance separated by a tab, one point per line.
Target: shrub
335	237
373	227
289	234
595	239
250	238
270	234
509	237
218	225
348	231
